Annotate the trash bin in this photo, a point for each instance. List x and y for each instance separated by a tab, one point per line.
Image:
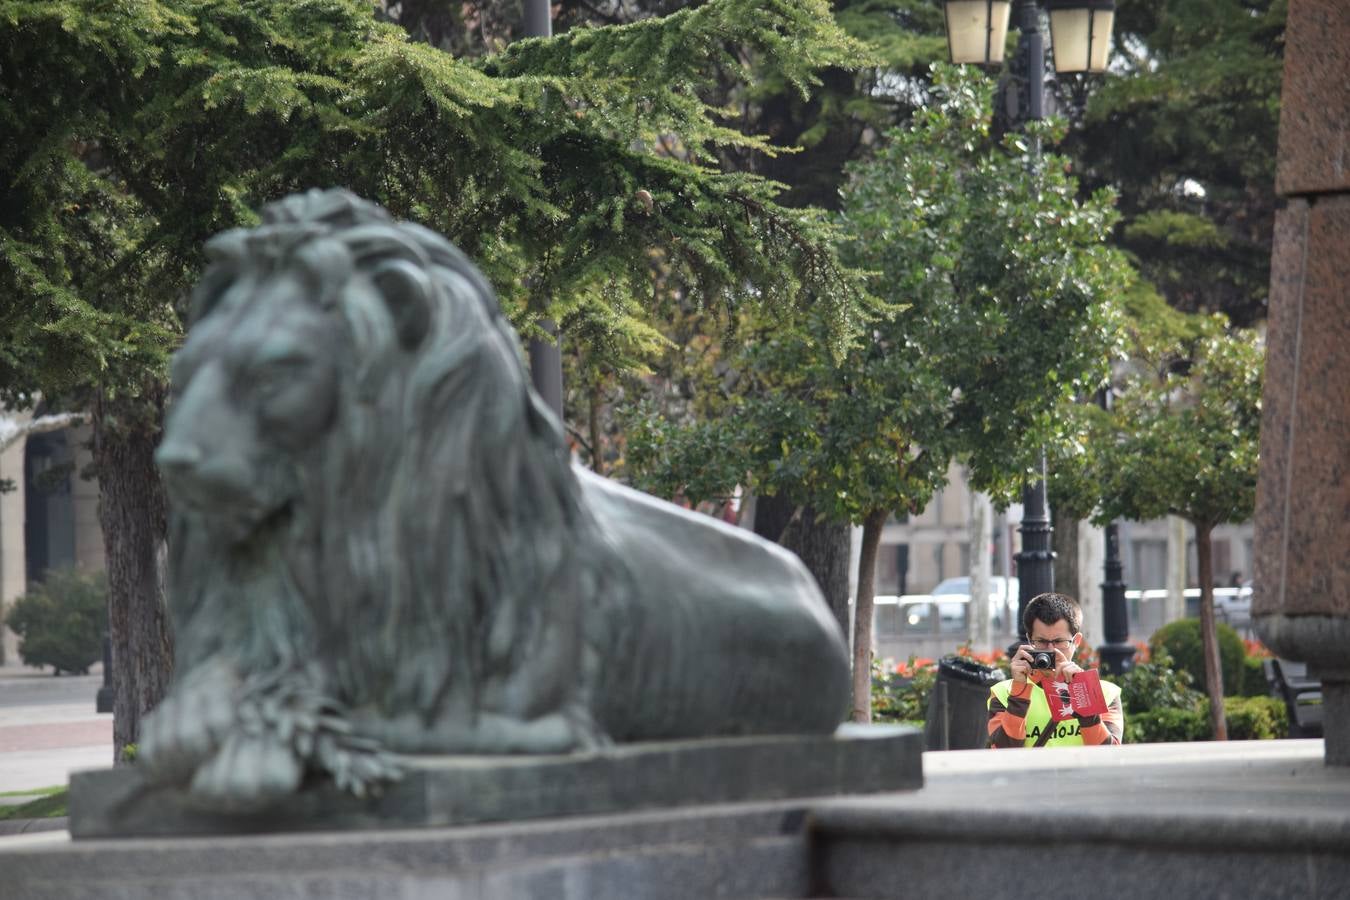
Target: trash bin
958	712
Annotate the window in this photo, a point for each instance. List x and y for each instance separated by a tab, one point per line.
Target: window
1221	555
892	568
1147	564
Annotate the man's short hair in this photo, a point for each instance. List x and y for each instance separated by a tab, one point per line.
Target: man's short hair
1050	608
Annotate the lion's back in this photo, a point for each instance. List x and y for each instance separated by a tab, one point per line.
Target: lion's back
721	632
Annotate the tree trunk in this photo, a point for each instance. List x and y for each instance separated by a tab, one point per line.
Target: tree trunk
1064	541
1208	633
981	534
593	421
132	514
862	616
822	545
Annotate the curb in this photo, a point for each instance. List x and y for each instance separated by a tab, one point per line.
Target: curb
31	826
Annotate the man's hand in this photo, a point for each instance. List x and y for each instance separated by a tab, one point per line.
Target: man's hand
1021	664
1064	667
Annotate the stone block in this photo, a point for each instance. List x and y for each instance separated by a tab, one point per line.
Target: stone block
460	790
1258	819
723	851
1303	498
1314	153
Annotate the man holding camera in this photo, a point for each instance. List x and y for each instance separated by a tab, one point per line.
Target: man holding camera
1033	708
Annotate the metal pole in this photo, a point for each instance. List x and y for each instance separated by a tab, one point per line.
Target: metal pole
1036	561
1031	50
545	356
538	18
1116	654
103	702
546	369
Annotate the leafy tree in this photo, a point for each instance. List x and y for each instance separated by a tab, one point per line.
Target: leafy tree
60	621
135	131
995	282
1186	133
813	136
1183	440
1185	645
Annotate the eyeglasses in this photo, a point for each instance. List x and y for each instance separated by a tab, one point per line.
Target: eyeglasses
1061	643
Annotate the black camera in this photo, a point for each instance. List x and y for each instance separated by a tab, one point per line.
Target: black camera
1042	659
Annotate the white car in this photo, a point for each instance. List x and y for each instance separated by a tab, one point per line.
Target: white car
946	611
1002	599
1233	605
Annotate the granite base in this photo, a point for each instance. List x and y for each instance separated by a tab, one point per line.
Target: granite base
464	790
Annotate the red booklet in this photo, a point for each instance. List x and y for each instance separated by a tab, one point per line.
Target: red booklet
1085	693
1057	694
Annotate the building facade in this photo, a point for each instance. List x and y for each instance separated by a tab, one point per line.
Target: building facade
919	552
48	516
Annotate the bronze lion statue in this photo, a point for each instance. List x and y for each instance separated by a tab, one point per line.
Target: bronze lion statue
379	545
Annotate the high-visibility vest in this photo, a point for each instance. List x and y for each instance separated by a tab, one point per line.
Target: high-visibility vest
1067	733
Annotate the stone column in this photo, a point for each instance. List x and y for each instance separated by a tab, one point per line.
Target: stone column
1301	599
1091	555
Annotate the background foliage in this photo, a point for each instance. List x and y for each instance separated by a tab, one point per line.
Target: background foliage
61	620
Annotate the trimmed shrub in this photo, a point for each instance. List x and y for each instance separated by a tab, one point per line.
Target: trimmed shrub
1254	682
60	622
902	695
1181	639
1156	685
1166	725
1255	718
1248	719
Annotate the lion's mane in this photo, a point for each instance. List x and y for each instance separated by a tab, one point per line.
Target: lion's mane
378	541
434	541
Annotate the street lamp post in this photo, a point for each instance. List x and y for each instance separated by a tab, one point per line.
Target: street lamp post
545	355
1080	33
1116	654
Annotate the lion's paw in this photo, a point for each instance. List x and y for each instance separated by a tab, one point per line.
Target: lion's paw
358	766
249	771
188	726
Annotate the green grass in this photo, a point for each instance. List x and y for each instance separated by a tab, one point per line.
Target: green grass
50	805
46	792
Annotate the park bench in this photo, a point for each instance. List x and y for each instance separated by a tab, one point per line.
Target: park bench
1302	695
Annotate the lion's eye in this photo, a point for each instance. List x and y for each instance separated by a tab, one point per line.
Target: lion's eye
273	376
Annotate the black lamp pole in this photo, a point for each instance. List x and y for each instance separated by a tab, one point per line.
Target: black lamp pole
1116	654
976	35
1036	561
545	356
103	701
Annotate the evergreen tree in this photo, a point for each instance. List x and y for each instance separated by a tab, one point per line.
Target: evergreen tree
134	131
1184	440
996	283
1185	131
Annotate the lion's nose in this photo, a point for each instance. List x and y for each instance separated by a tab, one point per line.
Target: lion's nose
178	458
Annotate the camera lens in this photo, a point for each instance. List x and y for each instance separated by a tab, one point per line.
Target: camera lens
1042	659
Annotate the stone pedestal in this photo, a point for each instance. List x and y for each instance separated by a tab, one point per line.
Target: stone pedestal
1301	598
1250	819
468	790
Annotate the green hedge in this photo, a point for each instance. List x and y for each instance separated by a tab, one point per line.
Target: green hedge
1254	682
1248	719
1181	639
1255	718
1166	725
61	620
897	698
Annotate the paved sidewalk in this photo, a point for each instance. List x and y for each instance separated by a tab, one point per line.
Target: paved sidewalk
48	727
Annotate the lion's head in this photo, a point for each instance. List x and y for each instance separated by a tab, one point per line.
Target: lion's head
357	467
